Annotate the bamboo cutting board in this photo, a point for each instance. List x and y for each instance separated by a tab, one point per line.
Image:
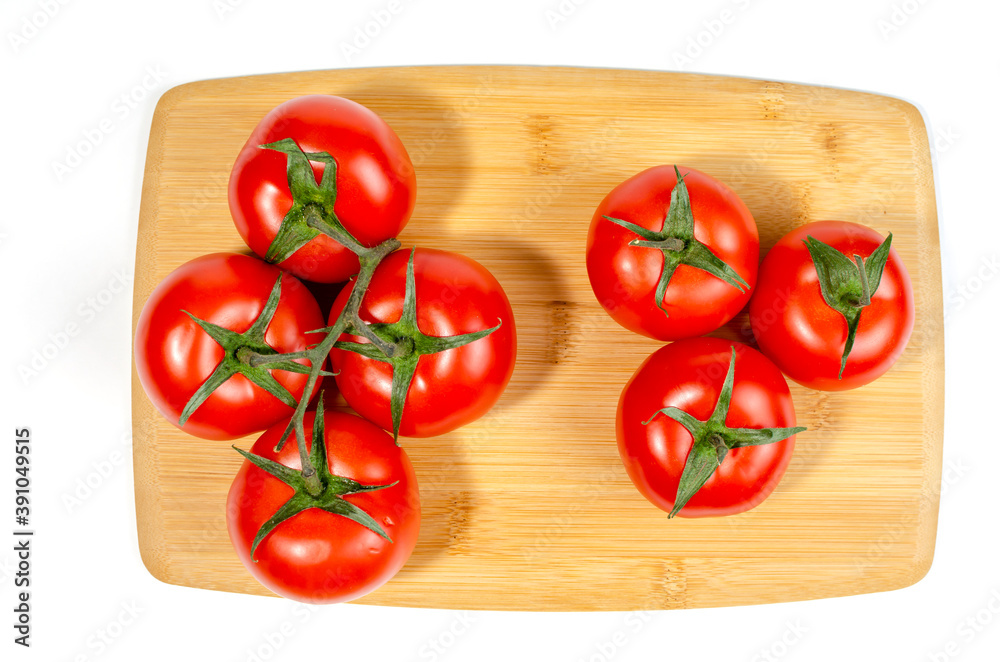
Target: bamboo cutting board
530	508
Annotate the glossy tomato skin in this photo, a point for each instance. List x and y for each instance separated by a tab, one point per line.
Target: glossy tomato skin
317	556
454	295
624	277
804	336
688	374
174	356
376	184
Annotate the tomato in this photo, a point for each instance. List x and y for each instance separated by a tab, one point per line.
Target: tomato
687	229
317	555
175	356
454	295
807	338
374	187
691	375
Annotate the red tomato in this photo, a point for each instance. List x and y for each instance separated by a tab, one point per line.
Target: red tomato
318	556
804	336
454	295
624	277
375	181
174	356
689	375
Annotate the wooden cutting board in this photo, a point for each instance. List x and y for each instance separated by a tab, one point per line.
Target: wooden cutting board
530	508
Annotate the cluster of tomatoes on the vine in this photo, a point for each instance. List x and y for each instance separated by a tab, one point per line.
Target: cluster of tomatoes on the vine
420	342
706	426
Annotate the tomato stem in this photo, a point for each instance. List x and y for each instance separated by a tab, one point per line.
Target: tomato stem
256	360
673	244
312	213
387	348
347	320
316	219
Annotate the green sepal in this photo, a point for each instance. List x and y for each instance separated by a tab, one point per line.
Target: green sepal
677	243
702	461
410	344
403	370
312	211
334	487
712	440
847	285
237	345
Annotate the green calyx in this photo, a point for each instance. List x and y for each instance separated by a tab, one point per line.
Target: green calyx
713	440
245	354
848	285
401	344
311	213
315	487
677	243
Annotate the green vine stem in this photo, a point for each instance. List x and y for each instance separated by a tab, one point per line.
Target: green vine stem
311	214
400	343
347	321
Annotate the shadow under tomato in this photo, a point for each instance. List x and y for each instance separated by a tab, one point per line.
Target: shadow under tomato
544	316
447	500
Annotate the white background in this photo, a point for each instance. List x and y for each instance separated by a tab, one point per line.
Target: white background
64	239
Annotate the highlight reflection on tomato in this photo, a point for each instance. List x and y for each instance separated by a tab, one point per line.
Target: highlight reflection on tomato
375	181
689	375
455	295
319	556
798	330
174	356
625	269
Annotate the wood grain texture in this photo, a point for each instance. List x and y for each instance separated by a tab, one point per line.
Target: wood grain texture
530	508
